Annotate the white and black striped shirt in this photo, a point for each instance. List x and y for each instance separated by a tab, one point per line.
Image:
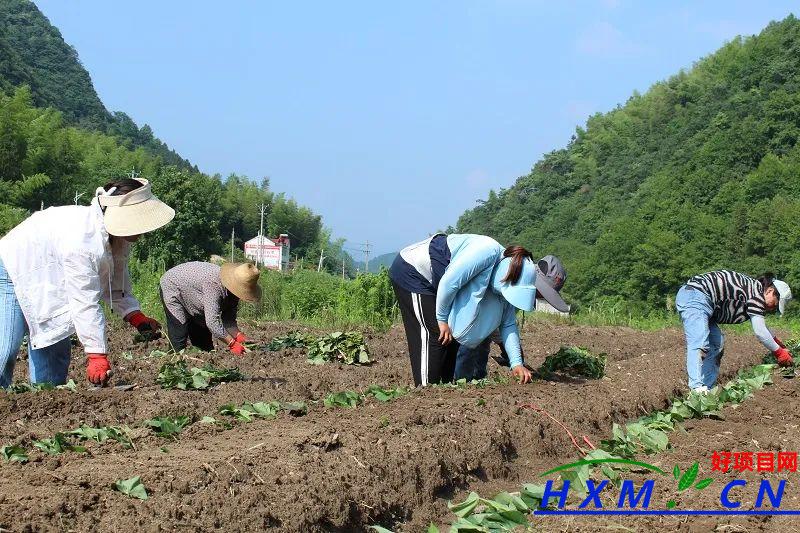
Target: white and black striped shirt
735	297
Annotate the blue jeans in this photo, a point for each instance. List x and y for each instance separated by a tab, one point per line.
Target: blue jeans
46	365
704	339
471	362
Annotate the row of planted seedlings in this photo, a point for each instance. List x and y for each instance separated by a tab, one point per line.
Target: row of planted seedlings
348	348
646	436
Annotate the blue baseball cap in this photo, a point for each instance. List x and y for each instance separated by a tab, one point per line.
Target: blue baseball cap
521	294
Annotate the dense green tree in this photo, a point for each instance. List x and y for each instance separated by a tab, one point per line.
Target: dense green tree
700	172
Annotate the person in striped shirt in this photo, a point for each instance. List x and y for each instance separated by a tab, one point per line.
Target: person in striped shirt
726	297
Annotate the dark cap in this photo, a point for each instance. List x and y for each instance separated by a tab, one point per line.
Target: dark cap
550	277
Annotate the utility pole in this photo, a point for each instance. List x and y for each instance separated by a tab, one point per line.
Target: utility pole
342	268
259	255
366	257
321	259
233	234
77	197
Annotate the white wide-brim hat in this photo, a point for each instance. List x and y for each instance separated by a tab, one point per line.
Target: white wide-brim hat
134	213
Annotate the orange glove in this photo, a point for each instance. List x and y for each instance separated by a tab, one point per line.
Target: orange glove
783	356
237	348
98	369
240	338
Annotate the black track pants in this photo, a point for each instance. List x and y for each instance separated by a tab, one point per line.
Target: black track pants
431	362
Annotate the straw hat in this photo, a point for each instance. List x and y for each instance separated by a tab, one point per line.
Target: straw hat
135	212
242	280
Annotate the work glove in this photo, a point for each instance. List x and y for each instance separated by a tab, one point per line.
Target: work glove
783	356
237	347
146	326
778	342
98	370
240	338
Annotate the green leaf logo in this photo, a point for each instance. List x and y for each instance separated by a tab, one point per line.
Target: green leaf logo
688	477
703	483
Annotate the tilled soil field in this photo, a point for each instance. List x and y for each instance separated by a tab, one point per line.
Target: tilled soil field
334	469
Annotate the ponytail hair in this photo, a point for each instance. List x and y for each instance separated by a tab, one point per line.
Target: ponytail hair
518	254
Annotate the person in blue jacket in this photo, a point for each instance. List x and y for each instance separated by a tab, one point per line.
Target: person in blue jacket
550	277
458	289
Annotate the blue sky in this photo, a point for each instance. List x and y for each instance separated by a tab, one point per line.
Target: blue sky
389	119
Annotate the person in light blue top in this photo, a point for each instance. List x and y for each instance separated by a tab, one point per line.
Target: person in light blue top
457	290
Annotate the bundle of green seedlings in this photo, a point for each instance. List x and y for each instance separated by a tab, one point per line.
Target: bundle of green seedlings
576	361
177	375
293	339
343	347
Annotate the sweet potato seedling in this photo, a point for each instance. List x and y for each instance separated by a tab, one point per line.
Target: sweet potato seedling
120	434
166	426
385	395
346	398
176	375
14	453
133	487
24	386
249	411
58	444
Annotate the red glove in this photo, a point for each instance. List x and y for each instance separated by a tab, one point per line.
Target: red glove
142	323
240	338
98	369
778	342
237	348
783	356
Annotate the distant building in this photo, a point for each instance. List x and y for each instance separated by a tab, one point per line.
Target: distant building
542	306
271	253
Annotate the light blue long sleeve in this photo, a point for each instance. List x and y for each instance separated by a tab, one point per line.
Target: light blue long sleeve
763	333
467	263
509	333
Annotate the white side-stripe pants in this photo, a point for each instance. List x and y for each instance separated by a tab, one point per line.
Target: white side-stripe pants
431	362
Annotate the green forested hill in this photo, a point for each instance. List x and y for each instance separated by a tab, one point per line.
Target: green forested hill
378	262
32	52
701	172
57	140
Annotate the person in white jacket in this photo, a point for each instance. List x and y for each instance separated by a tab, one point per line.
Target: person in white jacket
55	269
